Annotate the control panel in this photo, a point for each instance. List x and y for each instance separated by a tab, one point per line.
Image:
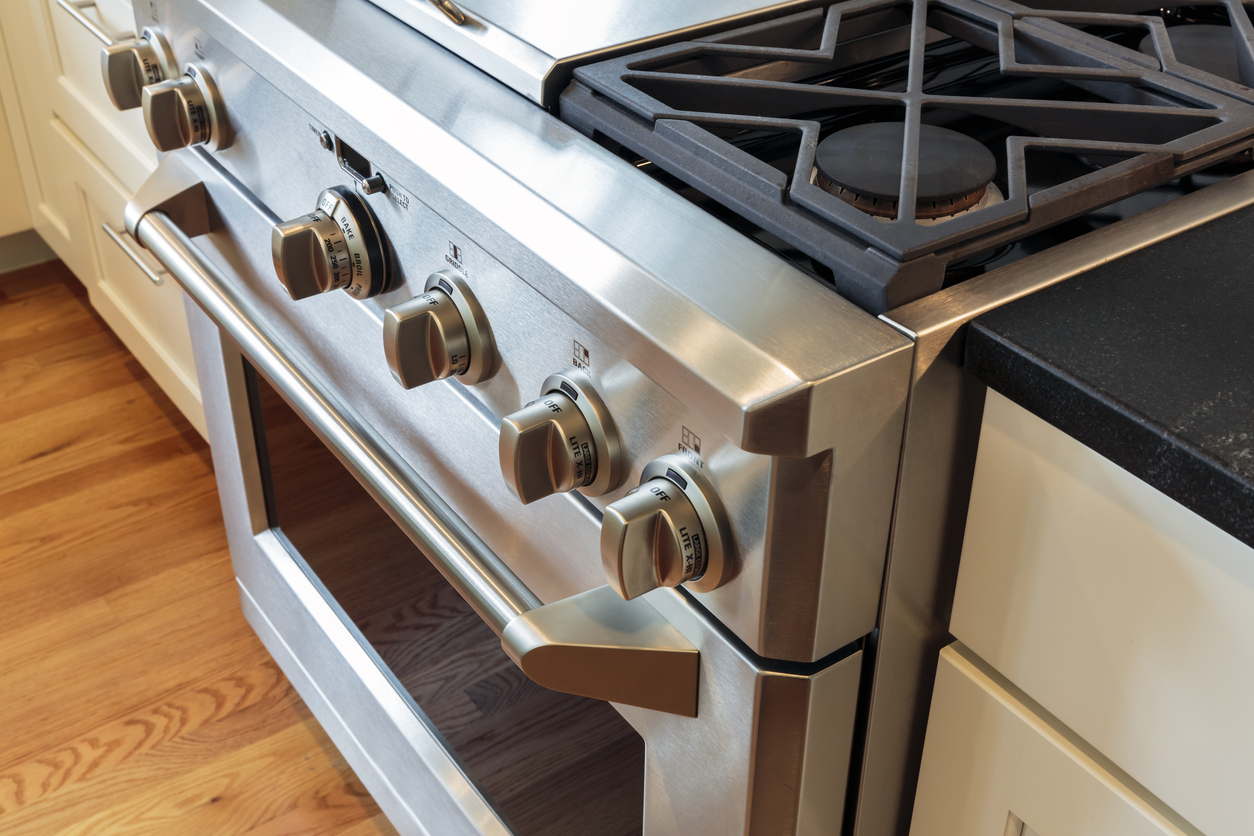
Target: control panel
652	494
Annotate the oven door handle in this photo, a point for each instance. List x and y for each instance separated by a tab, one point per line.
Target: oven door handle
593	644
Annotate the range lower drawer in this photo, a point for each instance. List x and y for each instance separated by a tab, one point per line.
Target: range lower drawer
995	764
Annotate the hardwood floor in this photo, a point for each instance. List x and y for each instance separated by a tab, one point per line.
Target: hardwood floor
134	698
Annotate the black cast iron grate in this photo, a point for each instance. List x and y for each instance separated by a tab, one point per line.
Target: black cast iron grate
688	106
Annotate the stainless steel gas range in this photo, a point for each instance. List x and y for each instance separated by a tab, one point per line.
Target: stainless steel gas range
644	386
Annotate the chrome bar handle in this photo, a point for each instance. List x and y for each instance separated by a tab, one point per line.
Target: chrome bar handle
480	576
594	644
75	9
123	239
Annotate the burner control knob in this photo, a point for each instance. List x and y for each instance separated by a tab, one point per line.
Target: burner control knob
670	530
442	332
186	111
131	65
563	441
337	246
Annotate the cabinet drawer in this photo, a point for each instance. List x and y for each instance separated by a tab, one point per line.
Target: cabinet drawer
147	315
1125	615
994	764
144	307
118	139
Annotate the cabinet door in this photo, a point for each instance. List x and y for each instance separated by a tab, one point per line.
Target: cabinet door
995	764
1126	615
78	97
131	292
14	214
55	211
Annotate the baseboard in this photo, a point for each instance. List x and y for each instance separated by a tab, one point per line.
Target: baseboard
22	249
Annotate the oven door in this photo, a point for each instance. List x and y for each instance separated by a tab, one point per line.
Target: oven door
415	645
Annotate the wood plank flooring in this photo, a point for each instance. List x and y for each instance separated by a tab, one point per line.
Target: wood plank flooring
134	698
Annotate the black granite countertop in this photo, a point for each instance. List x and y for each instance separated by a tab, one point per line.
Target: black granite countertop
1149	361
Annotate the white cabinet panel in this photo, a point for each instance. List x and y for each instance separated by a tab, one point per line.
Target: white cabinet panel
1125	615
51	198
147	315
118	139
14	215
995	765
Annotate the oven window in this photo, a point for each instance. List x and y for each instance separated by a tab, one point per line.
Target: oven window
554	764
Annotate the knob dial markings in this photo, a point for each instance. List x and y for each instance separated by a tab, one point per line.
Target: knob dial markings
440	333
670	530
338	246
565	440
131	65
186	111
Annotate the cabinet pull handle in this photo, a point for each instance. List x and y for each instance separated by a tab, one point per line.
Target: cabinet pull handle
593	644
75	9
123	243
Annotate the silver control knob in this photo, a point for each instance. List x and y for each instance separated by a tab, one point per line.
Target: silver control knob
564	441
185	111
131	65
669	531
338	246
440	333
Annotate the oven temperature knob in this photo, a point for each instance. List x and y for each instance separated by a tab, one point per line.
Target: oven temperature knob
185	111
442	332
338	246
563	441
131	65
670	530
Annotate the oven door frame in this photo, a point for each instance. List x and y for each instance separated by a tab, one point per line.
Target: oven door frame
769	751
327	659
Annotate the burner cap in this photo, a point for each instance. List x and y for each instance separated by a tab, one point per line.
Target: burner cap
862	165
1206	47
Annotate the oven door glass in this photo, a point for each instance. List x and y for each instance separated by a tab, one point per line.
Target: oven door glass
552	764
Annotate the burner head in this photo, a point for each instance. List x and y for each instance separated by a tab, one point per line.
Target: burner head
862	165
1206	47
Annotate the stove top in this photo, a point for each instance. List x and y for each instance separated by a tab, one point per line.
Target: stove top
893	148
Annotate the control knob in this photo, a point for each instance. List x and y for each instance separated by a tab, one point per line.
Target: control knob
131	65
185	111
338	246
440	333
565	440
670	530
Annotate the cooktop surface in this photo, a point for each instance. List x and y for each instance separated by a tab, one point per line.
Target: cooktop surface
894	148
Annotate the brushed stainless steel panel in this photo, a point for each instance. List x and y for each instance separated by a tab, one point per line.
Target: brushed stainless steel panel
847	394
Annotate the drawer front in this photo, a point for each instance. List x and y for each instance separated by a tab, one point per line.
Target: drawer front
127	286
119	139
994	764
1128	617
14	216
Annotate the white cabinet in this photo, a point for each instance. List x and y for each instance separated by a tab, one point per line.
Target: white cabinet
1127	617
14	216
995	764
80	161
